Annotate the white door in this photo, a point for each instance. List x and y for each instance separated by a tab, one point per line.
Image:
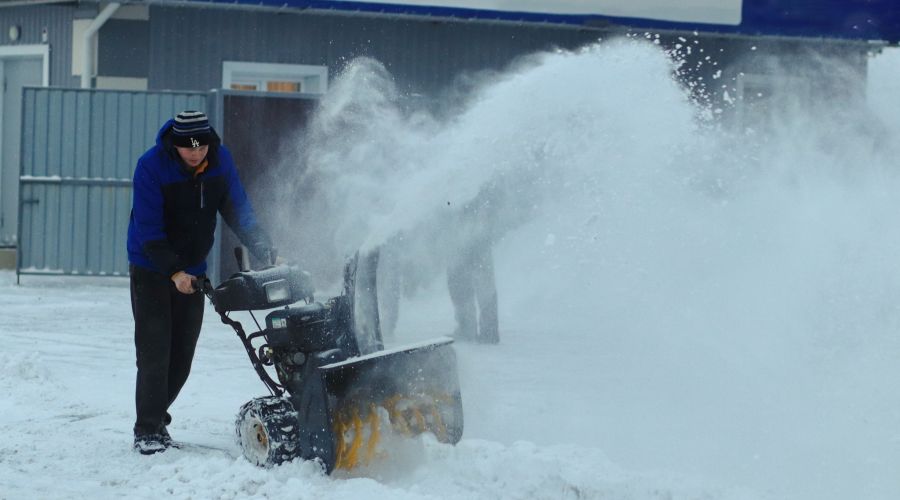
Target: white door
15	72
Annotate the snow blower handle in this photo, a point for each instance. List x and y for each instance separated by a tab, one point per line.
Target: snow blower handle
239	257
270	257
203	286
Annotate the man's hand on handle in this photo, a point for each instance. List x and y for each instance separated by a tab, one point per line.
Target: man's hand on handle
184	282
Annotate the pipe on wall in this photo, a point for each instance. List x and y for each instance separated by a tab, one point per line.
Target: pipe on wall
87	54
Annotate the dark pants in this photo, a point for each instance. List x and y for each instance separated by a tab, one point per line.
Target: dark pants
470	280
166	327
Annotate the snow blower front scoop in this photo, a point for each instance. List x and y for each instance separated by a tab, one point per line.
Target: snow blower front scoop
340	396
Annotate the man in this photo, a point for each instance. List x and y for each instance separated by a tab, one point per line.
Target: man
180	184
470	275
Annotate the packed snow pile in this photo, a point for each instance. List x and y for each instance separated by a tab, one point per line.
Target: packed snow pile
27	368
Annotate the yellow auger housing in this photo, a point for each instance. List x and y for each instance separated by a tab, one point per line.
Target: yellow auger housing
406	391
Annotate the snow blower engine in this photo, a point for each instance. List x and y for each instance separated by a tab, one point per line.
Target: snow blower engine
340	397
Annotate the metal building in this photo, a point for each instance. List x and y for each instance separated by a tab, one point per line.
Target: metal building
133	52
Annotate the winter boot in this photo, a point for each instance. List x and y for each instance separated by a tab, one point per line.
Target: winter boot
167	440
149	444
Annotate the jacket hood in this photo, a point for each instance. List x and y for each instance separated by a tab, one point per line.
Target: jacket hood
165	129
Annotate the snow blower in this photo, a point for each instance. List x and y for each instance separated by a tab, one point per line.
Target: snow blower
339	394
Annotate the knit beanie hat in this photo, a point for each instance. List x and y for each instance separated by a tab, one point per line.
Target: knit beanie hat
191	130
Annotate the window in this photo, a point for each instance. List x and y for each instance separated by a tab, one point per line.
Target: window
244	86
270	77
276	86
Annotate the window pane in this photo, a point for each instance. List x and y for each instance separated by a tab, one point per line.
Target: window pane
243	86
276	86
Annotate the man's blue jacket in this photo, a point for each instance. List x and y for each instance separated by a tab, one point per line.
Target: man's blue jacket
173	215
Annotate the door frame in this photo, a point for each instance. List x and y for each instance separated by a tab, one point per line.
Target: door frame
8	52
24	52
43	51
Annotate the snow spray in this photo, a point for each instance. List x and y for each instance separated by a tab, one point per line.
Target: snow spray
725	302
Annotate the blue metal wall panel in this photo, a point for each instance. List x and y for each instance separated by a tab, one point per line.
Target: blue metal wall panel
424	57
79	148
125	45
851	19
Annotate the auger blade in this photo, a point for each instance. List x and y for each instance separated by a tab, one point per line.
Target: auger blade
413	389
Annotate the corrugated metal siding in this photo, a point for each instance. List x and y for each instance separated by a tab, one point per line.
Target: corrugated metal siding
125	44
57	19
188	45
79	148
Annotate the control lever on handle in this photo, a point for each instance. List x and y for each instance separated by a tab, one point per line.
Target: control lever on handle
239	256
204	285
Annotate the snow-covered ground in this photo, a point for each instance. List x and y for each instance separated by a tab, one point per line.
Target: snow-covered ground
685	314
67	379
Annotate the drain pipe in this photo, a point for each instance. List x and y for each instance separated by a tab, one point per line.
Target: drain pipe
87	52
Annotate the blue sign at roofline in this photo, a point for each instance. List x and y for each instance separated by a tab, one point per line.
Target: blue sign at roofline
839	19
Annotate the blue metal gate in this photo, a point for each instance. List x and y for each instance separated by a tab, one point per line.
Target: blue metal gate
79	150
